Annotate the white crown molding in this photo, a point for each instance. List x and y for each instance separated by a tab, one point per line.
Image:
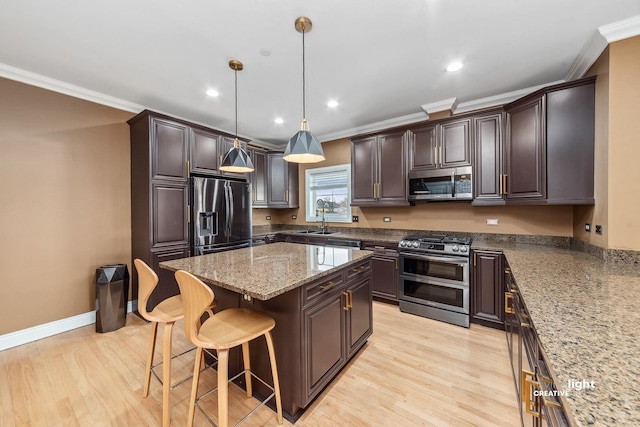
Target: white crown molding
443	105
45	330
500	99
620	30
590	52
38	80
599	41
372	127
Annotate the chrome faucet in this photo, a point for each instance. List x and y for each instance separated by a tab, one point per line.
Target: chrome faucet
322	204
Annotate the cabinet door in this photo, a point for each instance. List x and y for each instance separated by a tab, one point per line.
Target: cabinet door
278	180
384	277
488	296
363	170
169	214
203	152
225	145
167	285
292	185
259	178
488	160
392	169
525	151
455	144
359	316
325	352
169	143
423	149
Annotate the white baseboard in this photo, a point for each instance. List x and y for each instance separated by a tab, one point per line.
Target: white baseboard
35	333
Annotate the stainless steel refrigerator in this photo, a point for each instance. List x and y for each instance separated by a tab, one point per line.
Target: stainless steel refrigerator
220	215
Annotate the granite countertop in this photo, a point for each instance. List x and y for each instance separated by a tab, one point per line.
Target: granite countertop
266	271
586	314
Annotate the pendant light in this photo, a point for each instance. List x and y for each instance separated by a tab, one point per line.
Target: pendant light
236	159
303	147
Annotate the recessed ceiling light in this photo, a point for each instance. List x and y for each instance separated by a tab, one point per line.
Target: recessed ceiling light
278	121
213	93
265	52
454	66
332	104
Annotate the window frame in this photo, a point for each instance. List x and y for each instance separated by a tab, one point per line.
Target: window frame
309	210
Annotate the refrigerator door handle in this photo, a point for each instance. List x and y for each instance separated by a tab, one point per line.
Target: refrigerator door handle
226	209
231	209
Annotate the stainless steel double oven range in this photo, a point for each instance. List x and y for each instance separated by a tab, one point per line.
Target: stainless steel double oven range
434	277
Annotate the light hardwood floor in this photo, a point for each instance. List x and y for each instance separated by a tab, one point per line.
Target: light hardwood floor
412	372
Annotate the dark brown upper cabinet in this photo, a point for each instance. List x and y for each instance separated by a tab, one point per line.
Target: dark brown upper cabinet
487	159
258	178
549	145
379	170
169	150
282	182
203	152
441	145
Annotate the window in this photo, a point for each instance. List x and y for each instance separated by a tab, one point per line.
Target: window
328	192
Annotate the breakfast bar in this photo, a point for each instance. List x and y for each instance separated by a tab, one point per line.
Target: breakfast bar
320	298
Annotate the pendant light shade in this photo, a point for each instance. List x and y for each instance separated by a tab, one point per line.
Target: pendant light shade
236	159
303	147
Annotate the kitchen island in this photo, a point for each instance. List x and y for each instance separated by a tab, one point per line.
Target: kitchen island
320	298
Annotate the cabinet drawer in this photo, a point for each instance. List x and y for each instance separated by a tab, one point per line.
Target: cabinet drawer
358	271
325	286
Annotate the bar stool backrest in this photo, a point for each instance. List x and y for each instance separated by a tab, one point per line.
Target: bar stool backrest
196	298
147	282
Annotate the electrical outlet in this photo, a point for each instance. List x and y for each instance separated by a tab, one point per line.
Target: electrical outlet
492	221
587	227
387	219
294	216
355	218
268	217
598	229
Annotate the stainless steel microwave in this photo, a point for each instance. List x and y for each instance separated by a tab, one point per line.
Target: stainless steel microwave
441	184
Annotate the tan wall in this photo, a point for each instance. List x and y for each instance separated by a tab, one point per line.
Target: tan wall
539	220
624	144
65	191
598	213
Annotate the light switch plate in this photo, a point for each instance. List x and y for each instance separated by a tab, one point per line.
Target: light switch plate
355	218
268	217
387	219
294	216
492	221
587	227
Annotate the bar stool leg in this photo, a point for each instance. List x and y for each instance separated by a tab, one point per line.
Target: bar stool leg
152	349
246	360
274	374
194	386
223	388
166	374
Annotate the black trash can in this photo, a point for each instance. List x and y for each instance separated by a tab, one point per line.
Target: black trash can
112	291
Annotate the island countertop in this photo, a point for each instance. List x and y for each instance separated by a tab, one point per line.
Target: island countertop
266	271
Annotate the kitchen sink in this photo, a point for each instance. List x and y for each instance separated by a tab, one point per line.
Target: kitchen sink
306	231
324	233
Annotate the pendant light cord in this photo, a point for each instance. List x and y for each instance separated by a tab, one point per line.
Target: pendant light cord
304	101
236	75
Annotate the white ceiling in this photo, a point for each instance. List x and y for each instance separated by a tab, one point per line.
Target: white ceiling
380	60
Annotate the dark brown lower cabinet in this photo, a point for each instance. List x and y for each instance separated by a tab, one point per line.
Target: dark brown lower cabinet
319	327
487	291
535	388
384	270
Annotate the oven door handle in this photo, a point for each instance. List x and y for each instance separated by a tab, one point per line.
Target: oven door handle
459	261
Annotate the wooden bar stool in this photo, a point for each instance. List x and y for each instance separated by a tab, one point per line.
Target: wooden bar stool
166	312
227	329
